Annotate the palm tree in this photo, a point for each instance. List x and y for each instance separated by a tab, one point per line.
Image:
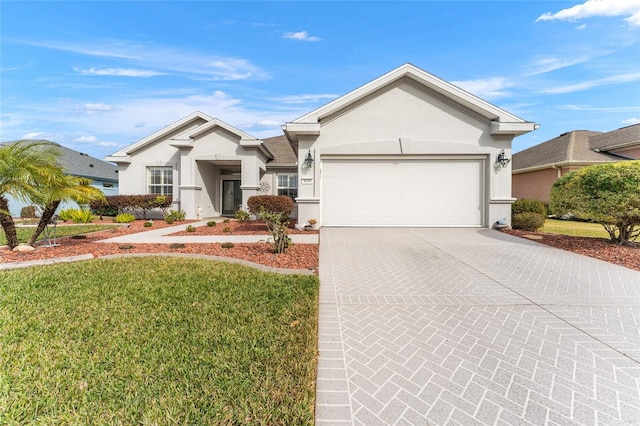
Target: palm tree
25	167
62	188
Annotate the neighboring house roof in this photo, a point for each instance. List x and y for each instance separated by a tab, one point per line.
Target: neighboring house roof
617	139
502	122
80	164
283	153
568	148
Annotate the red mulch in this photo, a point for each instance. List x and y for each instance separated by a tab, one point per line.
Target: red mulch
298	256
628	255
249	227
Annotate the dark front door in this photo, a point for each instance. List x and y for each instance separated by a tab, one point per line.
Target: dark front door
231	196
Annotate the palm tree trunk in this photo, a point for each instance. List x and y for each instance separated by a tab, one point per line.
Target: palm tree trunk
7	223
45	218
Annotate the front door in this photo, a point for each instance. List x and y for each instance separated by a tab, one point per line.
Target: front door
231	196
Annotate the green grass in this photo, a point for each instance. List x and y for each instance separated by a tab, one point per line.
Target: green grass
574	229
61	231
156	341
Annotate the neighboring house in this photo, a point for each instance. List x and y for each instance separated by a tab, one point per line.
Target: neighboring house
407	149
536	169
103	175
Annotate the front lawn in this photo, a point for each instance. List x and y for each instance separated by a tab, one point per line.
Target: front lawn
24	233
574	229
156	341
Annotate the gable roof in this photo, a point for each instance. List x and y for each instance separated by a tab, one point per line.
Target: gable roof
568	148
503	122
80	164
616	139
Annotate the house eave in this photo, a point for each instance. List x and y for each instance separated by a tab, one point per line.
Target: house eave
557	165
125	159
512	128
294	130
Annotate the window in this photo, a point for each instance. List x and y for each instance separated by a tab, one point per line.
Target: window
160	180
288	185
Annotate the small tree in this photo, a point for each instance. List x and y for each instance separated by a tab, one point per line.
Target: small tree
608	194
24	167
275	211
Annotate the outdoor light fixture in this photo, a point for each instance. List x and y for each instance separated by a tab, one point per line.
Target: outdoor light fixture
308	160
502	159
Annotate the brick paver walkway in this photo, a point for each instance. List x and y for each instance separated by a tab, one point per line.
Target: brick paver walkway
472	326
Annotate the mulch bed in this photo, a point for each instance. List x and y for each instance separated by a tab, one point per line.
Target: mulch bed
249	227
599	248
298	256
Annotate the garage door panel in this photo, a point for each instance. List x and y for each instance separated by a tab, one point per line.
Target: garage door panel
402	192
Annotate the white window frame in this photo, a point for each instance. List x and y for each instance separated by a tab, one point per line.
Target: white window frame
291	184
165	188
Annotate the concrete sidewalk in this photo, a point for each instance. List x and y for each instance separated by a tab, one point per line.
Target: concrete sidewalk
161	236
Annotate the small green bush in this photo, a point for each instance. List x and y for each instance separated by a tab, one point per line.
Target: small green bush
81	216
124	218
191	228
65	214
175	216
528	205
176	246
148	224
211	223
528	221
226	245
125	246
242	215
226	229
226	221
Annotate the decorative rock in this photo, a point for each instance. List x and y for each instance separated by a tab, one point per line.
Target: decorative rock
24	248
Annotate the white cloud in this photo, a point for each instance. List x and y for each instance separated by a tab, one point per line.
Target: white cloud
96	108
165	59
631	121
581	27
54	137
119	72
109	144
542	65
577	87
593	8
599	109
490	88
85	139
301	35
268	123
304	98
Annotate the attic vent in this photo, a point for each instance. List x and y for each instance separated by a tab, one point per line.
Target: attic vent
90	165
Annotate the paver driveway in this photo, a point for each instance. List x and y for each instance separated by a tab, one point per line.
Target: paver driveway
472	326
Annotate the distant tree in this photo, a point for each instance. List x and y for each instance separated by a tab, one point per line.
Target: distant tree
25	166
61	187
608	194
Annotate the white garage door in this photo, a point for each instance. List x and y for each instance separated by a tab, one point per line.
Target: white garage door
401	192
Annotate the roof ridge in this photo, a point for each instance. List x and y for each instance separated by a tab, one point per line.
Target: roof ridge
571	146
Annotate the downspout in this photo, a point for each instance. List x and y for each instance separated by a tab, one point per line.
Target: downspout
559	169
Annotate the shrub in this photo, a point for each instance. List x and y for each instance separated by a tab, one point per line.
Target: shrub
115	204
277	225
148	224
241	215
527	221
191	228
176	246
65	214
604	193
81	216
226	245
125	246
175	216
226	221
277	204
124	218
528	205
28	212
312	222
211	223
226	229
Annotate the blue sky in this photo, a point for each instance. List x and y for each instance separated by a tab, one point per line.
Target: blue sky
97	76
